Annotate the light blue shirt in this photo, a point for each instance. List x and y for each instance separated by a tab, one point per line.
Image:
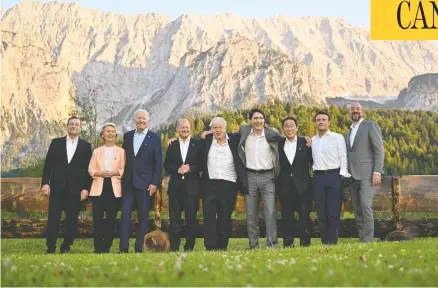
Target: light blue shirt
138	139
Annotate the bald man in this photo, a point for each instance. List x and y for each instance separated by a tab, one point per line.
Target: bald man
184	160
365	163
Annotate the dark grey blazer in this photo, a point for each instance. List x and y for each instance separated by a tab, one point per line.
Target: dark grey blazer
366	155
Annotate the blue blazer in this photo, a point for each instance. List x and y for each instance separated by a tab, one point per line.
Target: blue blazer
145	167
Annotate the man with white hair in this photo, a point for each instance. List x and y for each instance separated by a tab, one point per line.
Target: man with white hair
141	178
222	166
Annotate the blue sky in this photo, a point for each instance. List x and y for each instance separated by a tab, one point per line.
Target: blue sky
356	12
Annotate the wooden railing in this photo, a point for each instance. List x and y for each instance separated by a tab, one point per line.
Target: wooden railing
395	194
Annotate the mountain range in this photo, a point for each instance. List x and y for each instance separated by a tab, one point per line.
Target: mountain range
53	53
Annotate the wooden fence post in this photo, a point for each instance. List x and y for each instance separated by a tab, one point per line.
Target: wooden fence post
396	193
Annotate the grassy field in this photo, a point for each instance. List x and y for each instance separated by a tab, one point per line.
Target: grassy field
350	263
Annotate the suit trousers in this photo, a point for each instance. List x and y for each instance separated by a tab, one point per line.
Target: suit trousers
141	199
103	229
178	202
361	193
328	205
261	185
219	200
291	202
71	204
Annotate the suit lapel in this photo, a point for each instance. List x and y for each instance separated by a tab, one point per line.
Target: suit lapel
359	132
116	157
208	146
143	144
191	149
243	135
298	150
178	151
79	146
348	139
64	150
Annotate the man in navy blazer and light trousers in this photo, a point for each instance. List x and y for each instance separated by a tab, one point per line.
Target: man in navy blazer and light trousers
141	178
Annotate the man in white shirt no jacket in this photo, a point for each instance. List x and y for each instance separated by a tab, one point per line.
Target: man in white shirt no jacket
329	166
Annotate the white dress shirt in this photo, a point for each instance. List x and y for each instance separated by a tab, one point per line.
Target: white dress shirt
354	127
71	144
290	149
258	153
330	152
138	140
184	147
109	155
220	162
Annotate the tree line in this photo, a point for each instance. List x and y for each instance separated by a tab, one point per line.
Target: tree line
410	137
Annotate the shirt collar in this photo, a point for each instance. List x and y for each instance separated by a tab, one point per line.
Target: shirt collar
263	133
328	133
184	142
74	140
293	141
145	131
352	125
215	141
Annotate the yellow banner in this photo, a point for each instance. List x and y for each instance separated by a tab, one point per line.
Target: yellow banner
404	20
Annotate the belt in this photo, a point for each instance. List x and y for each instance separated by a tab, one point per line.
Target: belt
260	171
326	171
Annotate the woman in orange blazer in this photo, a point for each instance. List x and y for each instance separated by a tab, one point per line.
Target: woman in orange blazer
106	167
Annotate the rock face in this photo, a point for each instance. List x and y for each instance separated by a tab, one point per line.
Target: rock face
421	93
52	53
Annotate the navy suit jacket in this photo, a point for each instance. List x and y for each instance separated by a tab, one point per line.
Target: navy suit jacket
145	167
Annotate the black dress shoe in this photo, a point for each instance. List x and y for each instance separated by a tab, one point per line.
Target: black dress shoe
123	251
50	251
65	251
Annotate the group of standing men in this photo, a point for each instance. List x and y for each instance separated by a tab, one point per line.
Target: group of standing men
256	160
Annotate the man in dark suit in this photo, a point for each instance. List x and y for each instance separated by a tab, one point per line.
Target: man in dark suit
141	178
221	179
183	162
365	163
293	183
66	182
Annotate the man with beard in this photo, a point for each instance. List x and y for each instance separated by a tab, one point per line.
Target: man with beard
365	164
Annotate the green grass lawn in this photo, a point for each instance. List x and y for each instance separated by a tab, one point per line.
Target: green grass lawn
413	263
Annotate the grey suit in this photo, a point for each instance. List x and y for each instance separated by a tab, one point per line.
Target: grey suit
365	156
261	185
